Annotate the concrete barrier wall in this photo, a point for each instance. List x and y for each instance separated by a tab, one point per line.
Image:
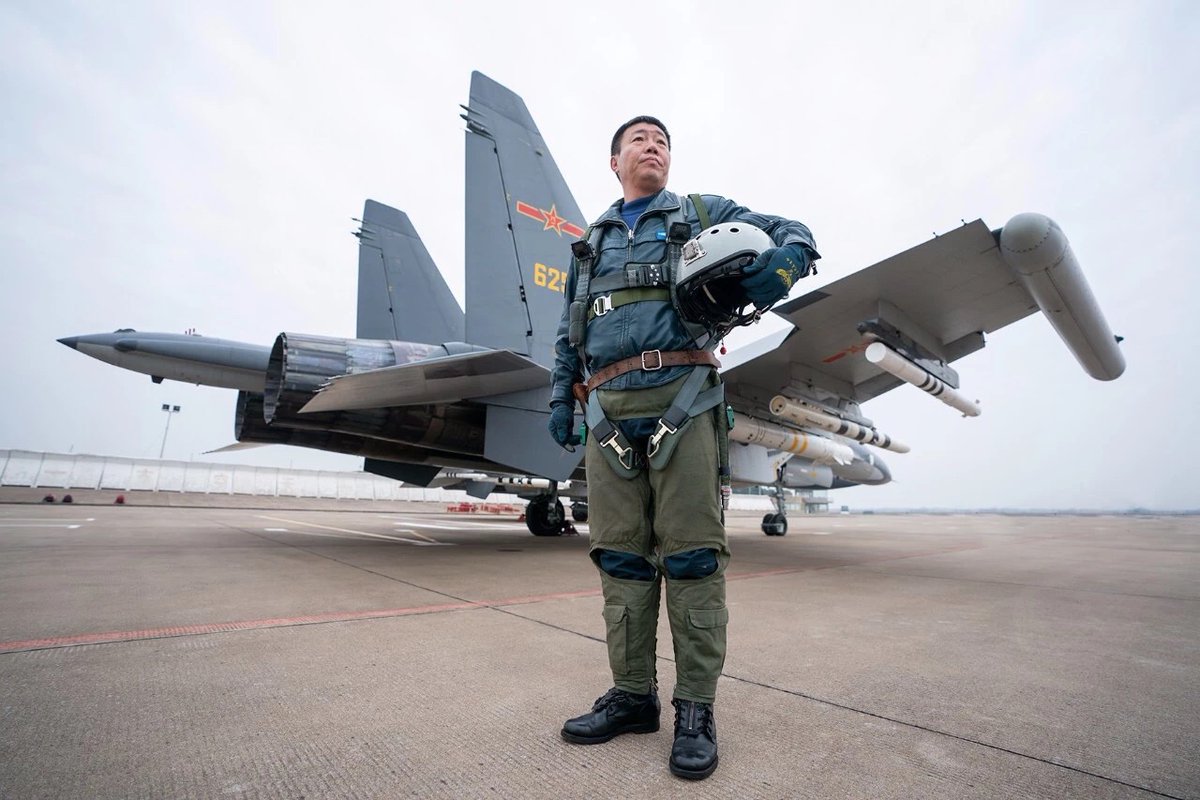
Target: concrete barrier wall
65	471
69	471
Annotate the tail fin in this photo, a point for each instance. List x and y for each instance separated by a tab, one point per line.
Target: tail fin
521	220
401	294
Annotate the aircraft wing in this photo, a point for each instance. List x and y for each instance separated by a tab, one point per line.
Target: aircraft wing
937	298
437	380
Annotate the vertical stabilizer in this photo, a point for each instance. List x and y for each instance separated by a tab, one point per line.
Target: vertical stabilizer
521	220
401	294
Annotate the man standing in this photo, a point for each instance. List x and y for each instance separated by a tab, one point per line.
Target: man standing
653	485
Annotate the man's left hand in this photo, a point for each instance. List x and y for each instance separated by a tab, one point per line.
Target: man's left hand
770	277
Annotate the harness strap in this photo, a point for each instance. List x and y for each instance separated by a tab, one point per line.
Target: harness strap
688	403
650	360
701	211
617	450
632	277
623	297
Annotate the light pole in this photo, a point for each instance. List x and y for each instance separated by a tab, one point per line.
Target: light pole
170	409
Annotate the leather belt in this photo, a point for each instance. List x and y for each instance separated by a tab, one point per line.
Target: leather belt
649	361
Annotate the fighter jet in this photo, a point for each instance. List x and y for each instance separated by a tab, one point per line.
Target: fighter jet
471	412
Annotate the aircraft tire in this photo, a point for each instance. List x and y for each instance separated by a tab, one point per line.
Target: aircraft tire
579	511
774	525
544	519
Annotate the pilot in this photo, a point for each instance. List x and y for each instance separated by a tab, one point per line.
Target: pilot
654	517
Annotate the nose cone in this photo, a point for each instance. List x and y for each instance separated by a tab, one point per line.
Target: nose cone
70	341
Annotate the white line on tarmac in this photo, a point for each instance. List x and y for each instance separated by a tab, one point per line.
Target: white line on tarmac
497	525
427	540
47	519
396	539
29	525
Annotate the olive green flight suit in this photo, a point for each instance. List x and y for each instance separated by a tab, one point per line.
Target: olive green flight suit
657	514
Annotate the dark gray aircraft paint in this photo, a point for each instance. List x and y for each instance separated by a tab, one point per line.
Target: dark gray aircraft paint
477	401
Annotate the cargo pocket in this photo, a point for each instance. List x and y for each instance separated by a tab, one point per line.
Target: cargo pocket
700	654
705	618
616	620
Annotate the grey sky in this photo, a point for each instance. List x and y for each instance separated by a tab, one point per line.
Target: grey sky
168	167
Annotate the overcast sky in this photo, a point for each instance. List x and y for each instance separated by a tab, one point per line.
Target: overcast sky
169	166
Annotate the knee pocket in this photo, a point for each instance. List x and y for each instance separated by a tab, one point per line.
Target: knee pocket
691	564
626	566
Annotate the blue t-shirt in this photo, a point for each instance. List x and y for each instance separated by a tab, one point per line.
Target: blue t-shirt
633	209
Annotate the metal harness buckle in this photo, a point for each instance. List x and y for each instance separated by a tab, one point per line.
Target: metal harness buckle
622	452
657	357
602	305
664	429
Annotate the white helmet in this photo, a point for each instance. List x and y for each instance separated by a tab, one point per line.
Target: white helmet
708	284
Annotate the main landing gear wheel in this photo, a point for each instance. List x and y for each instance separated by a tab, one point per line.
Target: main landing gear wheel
545	518
579	511
774	525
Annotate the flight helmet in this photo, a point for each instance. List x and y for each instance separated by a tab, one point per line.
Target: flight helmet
708	283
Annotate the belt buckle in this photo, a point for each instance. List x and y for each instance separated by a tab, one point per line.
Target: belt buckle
658	358
602	305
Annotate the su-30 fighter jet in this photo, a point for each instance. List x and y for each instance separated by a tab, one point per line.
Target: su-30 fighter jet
471	412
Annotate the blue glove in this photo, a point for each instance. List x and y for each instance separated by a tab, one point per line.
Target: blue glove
772	274
562	422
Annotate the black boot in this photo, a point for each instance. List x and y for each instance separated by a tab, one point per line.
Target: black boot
615	713
694	754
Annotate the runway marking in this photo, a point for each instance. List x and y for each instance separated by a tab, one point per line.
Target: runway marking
48	519
34	525
400	539
110	637
497	525
427	539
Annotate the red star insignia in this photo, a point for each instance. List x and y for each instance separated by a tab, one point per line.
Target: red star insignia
553	220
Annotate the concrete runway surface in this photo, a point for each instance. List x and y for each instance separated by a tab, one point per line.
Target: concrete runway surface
275	652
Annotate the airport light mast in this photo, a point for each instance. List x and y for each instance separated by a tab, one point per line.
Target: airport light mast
171	410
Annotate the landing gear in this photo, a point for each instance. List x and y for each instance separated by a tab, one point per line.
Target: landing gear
579	511
545	516
776	524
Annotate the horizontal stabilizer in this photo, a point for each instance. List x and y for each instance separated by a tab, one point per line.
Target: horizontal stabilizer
436	380
237	447
415	474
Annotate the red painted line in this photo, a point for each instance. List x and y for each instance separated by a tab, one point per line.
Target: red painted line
531	211
109	637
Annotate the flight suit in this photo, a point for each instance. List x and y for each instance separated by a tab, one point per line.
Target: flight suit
661	522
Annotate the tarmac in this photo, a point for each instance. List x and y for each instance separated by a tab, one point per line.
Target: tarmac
167	652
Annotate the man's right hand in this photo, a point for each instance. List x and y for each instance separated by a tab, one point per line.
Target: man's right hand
562	424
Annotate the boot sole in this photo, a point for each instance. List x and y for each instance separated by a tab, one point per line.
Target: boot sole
694	775
576	739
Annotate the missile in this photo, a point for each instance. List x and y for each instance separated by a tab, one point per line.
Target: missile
889	360
180	357
816	448
1038	251
786	408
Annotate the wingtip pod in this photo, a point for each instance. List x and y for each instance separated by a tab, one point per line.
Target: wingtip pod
1038	251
